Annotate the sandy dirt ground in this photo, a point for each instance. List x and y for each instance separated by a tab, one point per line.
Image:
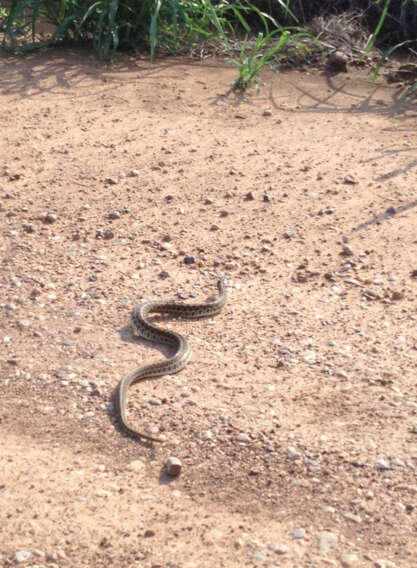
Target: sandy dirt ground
296	421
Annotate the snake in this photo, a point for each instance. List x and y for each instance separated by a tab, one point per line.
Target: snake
181	349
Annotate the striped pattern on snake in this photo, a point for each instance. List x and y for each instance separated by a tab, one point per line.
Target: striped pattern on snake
182	350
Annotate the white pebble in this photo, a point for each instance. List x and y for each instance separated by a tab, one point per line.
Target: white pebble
22	556
135	465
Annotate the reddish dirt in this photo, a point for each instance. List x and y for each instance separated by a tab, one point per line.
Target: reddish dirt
296	420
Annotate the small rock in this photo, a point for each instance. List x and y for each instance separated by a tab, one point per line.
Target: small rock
347	251
391	211
370	294
206	435
50	218
239	543
349	560
22	556
133	173
108	234
385	564
337	61
114	215
267	112
259	558
190	259
267	198
382	465
288	234
111	181
349	180
414	273
23	324
242	437
208	201
292	453
173	466
278	548
29	228
298	534
326	541
396	296
352	517
149	533
223	213
250	196
135	465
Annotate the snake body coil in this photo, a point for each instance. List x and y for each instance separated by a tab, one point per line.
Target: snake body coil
182	351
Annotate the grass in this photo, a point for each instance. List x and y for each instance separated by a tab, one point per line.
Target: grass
177	26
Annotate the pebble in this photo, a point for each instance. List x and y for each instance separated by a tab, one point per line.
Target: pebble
350	180
50	218
190	259
347	250
292	453
114	215
23	324
382	465
242	437
108	234
278	548
327	540
133	173
206	435
298	534
111	181
385	564
352	517
259	558
22	556
396	295
349	560
250	196
267	112
29	227
135	465
337	61
173	466
369	293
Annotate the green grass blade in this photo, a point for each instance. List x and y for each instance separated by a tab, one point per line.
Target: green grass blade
381	21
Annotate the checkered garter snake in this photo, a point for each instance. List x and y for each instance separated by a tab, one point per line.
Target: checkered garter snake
182	350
